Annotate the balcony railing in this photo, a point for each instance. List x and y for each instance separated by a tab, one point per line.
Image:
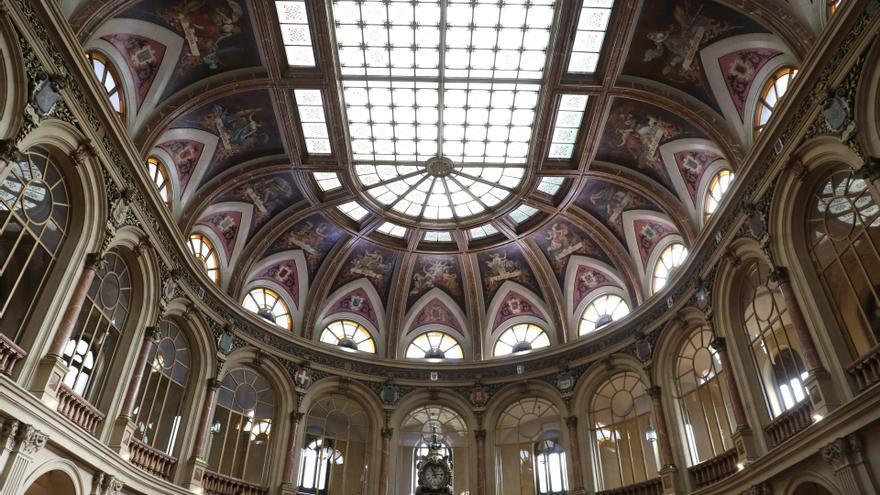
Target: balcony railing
78	410
220	484
866	369
10	354
790	422
151	460
714	469
650	487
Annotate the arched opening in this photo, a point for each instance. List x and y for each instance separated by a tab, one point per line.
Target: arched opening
811	488
601	311
520	338
348	335
268	305
434	345
415	435
109	79
52	483
528	449
771	93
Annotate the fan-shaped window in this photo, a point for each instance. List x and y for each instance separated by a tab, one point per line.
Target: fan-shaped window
348	335
267	304
520	338
701	398
843	237
670	258
415	436
529	456
94	342
337	451
159	174
622	427
718	187
434	345
768	327
109	79
34	211
157	414
203	249
242	426
602	311
771	93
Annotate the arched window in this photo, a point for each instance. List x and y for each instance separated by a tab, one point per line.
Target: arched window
159	174
768	328
242	426
843	237
348	335
434	345
109	79
530	458
718	187
34	212
157	413
520	338
602	311
415	435
95	338
701	398
621	424
670	258
203	249
337	451
267	304
771	93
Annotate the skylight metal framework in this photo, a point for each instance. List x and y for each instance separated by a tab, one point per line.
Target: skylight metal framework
590	35
441	98
295	33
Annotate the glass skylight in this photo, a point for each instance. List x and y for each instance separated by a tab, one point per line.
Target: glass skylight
483	231
566	127
522	213
392	229
550	185
327	181
435	236
294	22
440	98
353	210
592	23
314	123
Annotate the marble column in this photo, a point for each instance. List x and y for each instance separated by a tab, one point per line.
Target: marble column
574	449
663	441
289	475
480	436
204	426
124	428
743	440
384	465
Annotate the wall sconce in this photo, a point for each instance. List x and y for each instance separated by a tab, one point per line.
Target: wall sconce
651	434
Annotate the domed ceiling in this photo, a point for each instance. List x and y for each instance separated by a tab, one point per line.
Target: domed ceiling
450	165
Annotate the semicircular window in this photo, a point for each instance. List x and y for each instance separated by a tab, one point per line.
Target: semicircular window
670	258
520	338
203	249
107	76
159	174
602	311
771	93
718	187
434	345
267	304
348	335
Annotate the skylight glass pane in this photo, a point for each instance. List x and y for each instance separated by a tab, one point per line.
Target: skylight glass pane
295	34
483	231
566	126
314	123
353	210
450	80
392	229
550	185
435	236
522	213
592	23
327	181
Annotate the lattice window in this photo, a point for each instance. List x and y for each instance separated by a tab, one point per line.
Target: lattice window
109	79
159	174
670	258
203	249
771	94
520	338
267	304
602	311
348	335
434	345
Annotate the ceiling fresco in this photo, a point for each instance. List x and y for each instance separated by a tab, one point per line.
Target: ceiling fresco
216	104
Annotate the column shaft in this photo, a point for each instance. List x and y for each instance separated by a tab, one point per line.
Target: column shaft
386	459
739	412
481	461
808	347
574	448
71	314
289	466
666	458
205	420
150	337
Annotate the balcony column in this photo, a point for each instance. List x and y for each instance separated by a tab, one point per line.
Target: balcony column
819	387
743	440
288	480
384	465
480	436
124	428
574	448
668	471
52	368
198	462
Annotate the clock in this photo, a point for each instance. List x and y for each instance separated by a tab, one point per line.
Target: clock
434	471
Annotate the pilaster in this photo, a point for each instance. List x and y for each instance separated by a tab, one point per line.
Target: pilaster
845	456
20	443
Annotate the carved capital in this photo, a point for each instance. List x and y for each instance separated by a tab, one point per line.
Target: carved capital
839	452
296	417
796	167
8	429
779	275
213	384
571	421
152	334
653	392
759	489
83	153
871	169
95	261
719	344
9	151
30	440
112	485
480	434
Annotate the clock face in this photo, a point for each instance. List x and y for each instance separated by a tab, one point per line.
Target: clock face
435	476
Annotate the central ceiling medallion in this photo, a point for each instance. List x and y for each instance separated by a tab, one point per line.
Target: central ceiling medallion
440	100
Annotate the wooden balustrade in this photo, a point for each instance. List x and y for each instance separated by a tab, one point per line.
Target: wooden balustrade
714	469
866	369
650	487
151	460
78	410
220	484
10	354
790	422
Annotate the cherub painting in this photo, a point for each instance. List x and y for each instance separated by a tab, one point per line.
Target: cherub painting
268	195
238	130
562	242
435	273
371	264
641	136
206	26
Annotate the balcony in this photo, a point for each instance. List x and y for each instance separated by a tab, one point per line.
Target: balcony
220	484
714	469
151	460
790	422
78	410
650	487
866	369
10	354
